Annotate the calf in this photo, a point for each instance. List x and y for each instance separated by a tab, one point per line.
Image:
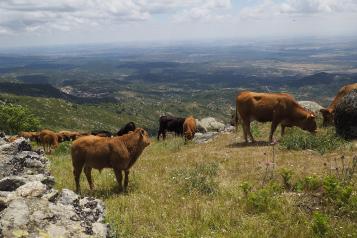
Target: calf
275	107
49	140
101	133
125	130
169	123
119	153
189	128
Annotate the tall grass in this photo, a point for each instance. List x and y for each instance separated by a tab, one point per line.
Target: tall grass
324	141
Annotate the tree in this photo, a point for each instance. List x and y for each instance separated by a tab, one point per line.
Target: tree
16	118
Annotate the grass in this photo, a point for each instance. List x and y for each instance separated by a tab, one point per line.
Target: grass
216	190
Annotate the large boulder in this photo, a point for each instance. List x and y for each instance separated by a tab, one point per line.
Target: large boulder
210	124
345	116
312	106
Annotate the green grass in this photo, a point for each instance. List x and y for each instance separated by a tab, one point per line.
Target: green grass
324	141
216	190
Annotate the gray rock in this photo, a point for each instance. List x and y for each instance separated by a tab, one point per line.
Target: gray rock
312	106
15	216
31	189
211	124
11	183
67	197
201	138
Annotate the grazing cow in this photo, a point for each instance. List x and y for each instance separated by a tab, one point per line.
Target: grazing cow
125	130
32	136
119	153
169	123
49	140
69	135
101	133
329	112
189	128
275	107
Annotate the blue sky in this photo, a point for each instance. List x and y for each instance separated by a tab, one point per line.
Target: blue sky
37	22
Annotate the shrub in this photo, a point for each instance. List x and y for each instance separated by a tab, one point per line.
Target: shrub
16	118
263	199
335	192
246	188
64	148
320	224
286	175
198	179
322	142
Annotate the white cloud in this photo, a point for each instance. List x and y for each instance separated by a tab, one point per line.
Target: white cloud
35	15
270	8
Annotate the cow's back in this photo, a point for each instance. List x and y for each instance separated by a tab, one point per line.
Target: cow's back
262	106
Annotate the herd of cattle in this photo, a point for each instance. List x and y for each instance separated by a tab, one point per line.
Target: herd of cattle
101	149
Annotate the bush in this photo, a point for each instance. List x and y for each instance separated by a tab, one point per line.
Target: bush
16	118
199	179
64	148
322	142
308	184
286	175
336	193
263	199
320	224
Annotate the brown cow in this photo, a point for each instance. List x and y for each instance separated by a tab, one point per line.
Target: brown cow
69	135
49	140
119	153
275	107
329	112
189	128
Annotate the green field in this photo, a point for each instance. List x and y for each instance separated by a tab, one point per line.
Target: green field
228	189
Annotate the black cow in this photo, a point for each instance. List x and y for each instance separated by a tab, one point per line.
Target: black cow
169	123
125	130
101	133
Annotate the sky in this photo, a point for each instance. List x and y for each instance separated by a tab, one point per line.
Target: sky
53	22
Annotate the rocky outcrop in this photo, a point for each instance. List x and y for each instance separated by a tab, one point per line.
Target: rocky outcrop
209	124
312	106
345	117
31	207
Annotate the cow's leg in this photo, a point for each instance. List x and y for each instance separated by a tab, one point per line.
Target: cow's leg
158	134
119	178
126	180
274	125
247	124
88	173
77	170
244	132
282	129
164	135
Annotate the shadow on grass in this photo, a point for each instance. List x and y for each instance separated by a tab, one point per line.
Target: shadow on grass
105	193
249	144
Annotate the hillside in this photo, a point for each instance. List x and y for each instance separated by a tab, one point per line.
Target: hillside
226	188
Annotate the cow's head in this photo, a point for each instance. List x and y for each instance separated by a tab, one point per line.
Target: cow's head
144	136
309	123
327	117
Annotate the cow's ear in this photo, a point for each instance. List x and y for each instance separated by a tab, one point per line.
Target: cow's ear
324	111
142	132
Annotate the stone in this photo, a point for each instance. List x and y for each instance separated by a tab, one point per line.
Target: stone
345	117
67	197
31	189
11	183
311	105
211	124
15	216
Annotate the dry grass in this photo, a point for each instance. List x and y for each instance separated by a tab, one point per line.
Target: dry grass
165	198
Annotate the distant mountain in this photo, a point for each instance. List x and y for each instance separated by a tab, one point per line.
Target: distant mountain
324	78
47	91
